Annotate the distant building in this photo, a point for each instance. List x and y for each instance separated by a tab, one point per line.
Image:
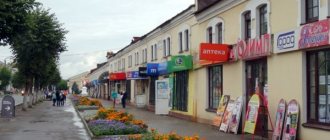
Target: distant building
80	79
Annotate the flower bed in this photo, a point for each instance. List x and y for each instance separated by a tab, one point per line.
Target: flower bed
89	102
113	122
154	135
107	127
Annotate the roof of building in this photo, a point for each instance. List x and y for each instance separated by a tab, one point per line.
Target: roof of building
205	4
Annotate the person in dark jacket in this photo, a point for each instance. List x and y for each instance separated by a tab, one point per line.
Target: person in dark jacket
58	98
123	98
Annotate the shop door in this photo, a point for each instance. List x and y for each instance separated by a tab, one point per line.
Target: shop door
128	89
152	91
256	73
180	96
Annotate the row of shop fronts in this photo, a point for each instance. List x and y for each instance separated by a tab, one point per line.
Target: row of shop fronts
291	62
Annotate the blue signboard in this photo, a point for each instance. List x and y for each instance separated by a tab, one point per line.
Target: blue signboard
152	69
162	68
134	75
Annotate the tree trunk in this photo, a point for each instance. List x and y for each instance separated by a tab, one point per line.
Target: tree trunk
25	96
30	94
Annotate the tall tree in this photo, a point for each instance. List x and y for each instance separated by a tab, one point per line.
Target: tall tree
5	75
13	18
37	50
62	85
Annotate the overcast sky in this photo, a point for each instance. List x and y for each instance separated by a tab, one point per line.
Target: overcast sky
98	26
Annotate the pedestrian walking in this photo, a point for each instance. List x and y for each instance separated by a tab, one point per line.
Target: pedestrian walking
123	98
58	98
114	97
61	99
54	98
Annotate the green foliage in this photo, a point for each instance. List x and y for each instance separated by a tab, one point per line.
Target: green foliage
13	19
18	80
62	85
75	88
5	75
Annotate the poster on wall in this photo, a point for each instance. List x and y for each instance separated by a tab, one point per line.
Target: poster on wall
252	114
280	114
236	115
162	96
291	121
227	116
221	109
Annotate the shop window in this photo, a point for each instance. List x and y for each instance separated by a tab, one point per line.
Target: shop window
209	34
219	32
215	86
312	10
152	90
263	23
318	83
180	95
247	25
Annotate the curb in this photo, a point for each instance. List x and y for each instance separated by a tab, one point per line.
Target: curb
91	135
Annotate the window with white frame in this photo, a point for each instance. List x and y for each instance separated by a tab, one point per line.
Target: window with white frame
263	23
180	42
119	65
164	48
152	52
137	58
145	55
111	68
312	10
130	61
186	40
209	35
219	32
155	52
168	46
247	25
123	63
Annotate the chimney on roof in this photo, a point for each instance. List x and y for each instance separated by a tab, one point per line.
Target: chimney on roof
135	39
110	54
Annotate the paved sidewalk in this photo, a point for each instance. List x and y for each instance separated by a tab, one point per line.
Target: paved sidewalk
44	122
166	124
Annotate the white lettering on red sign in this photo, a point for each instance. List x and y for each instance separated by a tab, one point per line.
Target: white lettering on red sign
254	47
216	52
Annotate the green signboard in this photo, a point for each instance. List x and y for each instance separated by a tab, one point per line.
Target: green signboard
180	63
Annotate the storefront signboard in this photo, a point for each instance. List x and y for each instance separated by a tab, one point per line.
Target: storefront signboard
162	68
213	53
254	48
142	71
286	41
236	115
131	75
233	55
180	63
280	114
117	76
8	107
291	121
252	114
314	34
221	109
152	69
227	116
